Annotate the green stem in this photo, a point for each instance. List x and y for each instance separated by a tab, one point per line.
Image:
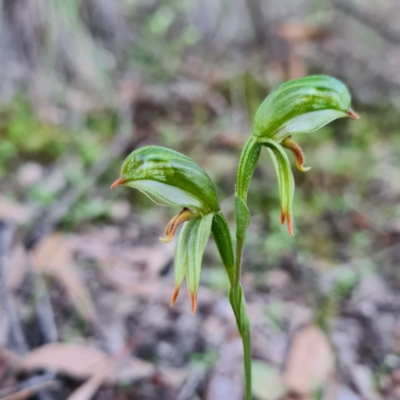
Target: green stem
247	163
238	303
223	241
233	265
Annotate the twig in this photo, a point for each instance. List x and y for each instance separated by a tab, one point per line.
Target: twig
191	384
28	388
17	336
44	308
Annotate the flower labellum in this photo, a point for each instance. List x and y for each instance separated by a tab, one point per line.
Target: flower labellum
291	145
184	215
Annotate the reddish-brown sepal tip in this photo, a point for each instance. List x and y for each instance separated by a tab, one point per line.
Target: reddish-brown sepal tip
290	225
283	217
288	218
193	300
118	182
174	296
353	114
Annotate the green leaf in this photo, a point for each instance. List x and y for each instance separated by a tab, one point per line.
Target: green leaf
242	217
267	382
285	180
247	164
169	178
238	303
301	106
223	240
199	233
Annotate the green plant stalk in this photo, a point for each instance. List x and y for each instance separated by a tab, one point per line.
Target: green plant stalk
222	237
247	164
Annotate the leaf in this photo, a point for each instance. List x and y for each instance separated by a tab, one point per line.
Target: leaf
223	240
92	385
77	361
247	164
267	382
53	257
136	269
309	363
285	180
132	369
199	234
83	362
242	214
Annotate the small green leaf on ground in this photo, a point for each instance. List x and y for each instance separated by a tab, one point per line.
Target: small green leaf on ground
267	381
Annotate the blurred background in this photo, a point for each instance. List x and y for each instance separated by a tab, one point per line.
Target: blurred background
85	282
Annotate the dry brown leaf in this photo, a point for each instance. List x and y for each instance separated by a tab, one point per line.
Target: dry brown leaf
15	212
152	258
137	270
80	362
124	278
53	257
83	362
87	390
174	377
131	369
310	361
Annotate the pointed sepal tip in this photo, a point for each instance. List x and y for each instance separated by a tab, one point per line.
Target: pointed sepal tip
120	181
193	300
353	114
174	296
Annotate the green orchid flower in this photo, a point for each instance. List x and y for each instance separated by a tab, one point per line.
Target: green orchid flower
170	178
299	106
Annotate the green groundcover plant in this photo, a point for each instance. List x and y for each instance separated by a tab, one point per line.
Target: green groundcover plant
173	179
